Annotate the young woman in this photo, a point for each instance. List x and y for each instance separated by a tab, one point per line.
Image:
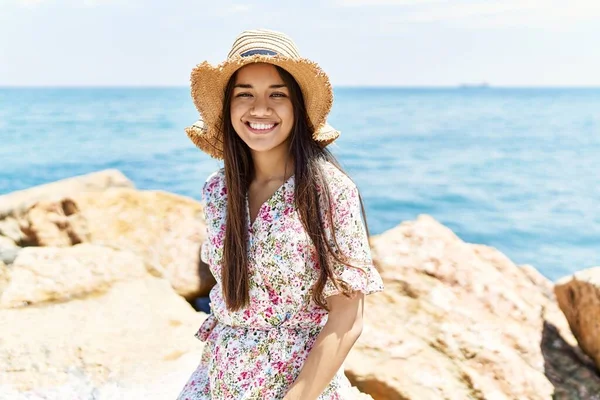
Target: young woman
286	241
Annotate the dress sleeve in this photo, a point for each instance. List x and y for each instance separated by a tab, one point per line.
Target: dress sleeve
212	187
352	241
204	251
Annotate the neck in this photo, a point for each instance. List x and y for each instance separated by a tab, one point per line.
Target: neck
273	165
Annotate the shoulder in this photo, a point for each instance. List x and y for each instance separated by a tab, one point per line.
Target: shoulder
214	185
338	182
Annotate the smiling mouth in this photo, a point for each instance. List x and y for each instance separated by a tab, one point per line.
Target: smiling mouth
261	128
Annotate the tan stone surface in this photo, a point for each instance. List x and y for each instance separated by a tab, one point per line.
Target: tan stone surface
6	243
54	223
165	229
579	299
10	228
461	321
41	274
152	381
4	278
17	202
135	330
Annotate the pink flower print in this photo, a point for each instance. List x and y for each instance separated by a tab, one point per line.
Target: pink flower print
279	366
212	185
273	297
268	217
288	197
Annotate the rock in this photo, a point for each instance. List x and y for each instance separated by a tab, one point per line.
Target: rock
4	278
118	343
16	203
11	230
8	256
461	321
156	381
539	280
7	243
579	299
42	274
166	229
54	223
356	394
8	249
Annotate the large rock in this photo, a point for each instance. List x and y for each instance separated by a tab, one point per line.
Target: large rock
165	229
41	274
6	243
4	278
17	202
152	381
53	223
111	334
461	321
14	205
10	231
579	298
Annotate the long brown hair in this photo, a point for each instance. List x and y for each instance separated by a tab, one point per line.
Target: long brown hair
308	174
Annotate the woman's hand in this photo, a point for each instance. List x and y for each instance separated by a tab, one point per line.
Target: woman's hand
343	327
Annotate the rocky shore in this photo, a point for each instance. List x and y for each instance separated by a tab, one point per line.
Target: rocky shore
97	279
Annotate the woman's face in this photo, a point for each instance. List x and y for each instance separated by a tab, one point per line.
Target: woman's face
261	109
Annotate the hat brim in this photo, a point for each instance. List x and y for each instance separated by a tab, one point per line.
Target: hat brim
213	145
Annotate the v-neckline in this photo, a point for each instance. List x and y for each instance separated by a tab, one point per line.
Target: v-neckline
251	222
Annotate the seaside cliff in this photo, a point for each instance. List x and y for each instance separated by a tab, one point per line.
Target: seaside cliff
96	280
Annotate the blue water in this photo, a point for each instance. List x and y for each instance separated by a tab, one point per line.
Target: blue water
516	169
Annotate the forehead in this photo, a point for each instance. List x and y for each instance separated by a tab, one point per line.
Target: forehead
257	73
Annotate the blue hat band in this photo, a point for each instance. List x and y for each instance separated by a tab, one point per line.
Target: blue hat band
258	51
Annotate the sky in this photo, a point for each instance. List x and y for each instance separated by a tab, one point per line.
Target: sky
433	43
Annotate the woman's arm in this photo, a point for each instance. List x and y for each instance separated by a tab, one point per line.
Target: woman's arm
343	327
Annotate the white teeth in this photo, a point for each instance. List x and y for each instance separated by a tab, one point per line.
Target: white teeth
261	126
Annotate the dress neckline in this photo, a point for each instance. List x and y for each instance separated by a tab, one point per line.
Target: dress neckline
260	209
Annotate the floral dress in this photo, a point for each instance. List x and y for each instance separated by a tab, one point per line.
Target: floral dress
258	351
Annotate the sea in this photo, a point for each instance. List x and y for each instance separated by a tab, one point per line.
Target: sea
513	168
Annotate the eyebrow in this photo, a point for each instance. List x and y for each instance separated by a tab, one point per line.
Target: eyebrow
248	86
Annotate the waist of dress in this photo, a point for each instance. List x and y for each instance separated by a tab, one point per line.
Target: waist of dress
211	322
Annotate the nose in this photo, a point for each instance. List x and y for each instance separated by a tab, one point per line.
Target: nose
260	107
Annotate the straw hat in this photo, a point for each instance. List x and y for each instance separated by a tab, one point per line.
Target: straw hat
208	86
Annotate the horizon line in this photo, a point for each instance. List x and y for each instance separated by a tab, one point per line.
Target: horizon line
463	86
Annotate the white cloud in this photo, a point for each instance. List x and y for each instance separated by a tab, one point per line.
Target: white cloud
467	10
494	12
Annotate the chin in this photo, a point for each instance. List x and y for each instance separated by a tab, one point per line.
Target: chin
263	148
267	145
